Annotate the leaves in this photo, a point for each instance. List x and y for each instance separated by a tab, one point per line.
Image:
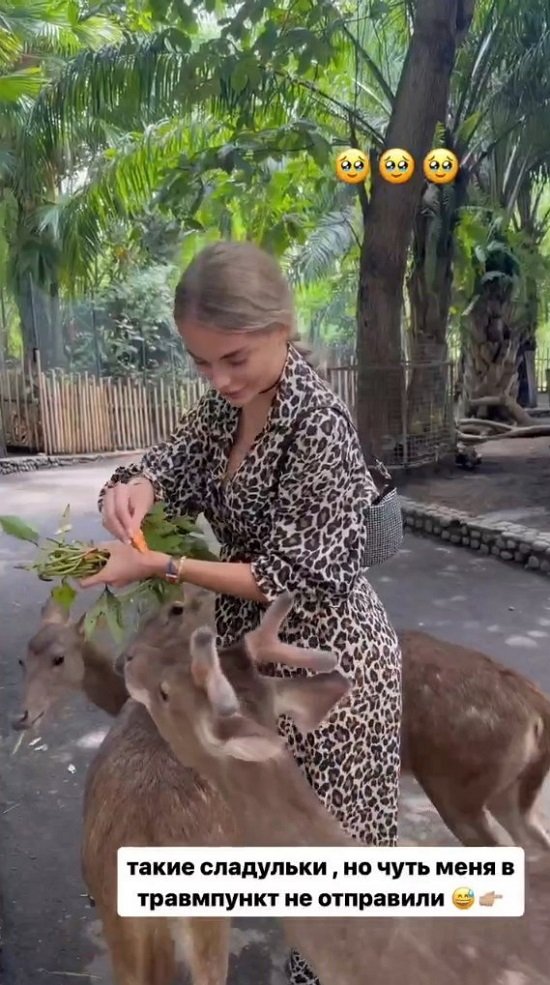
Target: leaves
16	527
62	561
174	537
64	595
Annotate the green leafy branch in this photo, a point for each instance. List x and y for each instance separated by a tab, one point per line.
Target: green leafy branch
62	561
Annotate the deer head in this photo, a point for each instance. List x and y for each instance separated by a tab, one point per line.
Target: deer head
208	704
54	664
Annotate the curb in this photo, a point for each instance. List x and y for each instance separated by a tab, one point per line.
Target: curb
33	463
510	542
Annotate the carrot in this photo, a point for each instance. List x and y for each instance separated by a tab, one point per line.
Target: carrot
139	542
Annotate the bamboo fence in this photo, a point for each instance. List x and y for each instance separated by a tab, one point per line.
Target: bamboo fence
61	413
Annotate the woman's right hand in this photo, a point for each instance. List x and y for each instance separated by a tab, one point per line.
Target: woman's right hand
125	506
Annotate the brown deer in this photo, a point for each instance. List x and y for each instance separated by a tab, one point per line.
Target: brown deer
475	735
60	660
219	714
136	793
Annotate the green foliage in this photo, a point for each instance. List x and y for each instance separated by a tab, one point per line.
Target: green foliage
15	527
203	120
61	561
128	328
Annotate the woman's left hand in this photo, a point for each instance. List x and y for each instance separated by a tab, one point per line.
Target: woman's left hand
125	566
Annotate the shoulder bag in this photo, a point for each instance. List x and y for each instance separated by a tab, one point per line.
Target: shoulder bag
383	517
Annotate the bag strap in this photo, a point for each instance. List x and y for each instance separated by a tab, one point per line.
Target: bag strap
373	463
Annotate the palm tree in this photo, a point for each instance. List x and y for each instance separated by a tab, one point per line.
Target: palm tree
497	127
37	38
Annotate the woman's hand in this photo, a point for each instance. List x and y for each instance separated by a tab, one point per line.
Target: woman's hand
125	566
125	506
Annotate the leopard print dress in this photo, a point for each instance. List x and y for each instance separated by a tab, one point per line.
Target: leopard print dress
303	533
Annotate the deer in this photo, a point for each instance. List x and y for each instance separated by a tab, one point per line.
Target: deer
136	793
219	714
475	735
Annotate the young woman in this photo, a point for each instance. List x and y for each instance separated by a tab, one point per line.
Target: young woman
301	529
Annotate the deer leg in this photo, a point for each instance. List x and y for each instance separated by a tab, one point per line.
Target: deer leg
205	947
524	828
141	951
465	816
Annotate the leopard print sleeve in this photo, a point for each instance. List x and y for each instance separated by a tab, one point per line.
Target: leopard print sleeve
318	535
175	467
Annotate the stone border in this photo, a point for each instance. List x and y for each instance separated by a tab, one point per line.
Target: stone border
507	541
33	463
510	542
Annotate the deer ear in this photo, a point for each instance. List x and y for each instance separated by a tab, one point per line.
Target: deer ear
54	613
242	738
308	700
79	624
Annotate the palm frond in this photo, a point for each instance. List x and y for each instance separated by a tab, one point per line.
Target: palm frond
121	186
26	83
325	247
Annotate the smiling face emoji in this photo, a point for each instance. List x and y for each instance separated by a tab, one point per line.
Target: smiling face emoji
396	166
463	898
352	166
441	166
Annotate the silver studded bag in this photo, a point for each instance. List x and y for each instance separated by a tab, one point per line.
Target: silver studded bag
383	517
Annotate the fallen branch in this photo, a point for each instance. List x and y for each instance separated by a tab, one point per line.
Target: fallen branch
516	412
477	429
535	431
466	422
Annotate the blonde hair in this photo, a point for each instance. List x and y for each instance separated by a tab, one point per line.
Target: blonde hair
238	287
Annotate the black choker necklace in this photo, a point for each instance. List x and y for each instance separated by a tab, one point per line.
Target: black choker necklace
277	381
273	385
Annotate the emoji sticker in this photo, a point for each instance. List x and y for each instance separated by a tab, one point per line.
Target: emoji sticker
396	166
441	166
352	166
488	899
463	898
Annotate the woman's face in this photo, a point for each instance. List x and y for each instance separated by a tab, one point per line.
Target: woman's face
238	364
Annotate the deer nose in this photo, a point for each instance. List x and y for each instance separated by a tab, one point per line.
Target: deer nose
21	722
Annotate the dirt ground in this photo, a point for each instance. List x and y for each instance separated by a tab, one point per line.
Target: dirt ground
514	474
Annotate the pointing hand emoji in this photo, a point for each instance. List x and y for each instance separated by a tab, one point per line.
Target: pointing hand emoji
489	898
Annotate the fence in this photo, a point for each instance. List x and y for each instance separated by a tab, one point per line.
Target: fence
64	413
71	414
542	369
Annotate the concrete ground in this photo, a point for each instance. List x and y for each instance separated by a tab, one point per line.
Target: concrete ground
51	936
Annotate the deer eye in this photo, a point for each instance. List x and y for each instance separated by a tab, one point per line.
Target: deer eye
163	692
57	661
177	608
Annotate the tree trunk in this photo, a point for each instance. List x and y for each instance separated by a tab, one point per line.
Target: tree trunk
3	450
528	392
491	359
430	291
40	322
27	315
420	103
55	328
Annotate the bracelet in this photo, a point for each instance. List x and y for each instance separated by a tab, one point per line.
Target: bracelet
173	573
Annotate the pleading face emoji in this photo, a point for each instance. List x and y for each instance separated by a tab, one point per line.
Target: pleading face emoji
352	166
396	166
440	166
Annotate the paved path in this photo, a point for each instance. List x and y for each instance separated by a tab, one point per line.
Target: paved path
50	932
